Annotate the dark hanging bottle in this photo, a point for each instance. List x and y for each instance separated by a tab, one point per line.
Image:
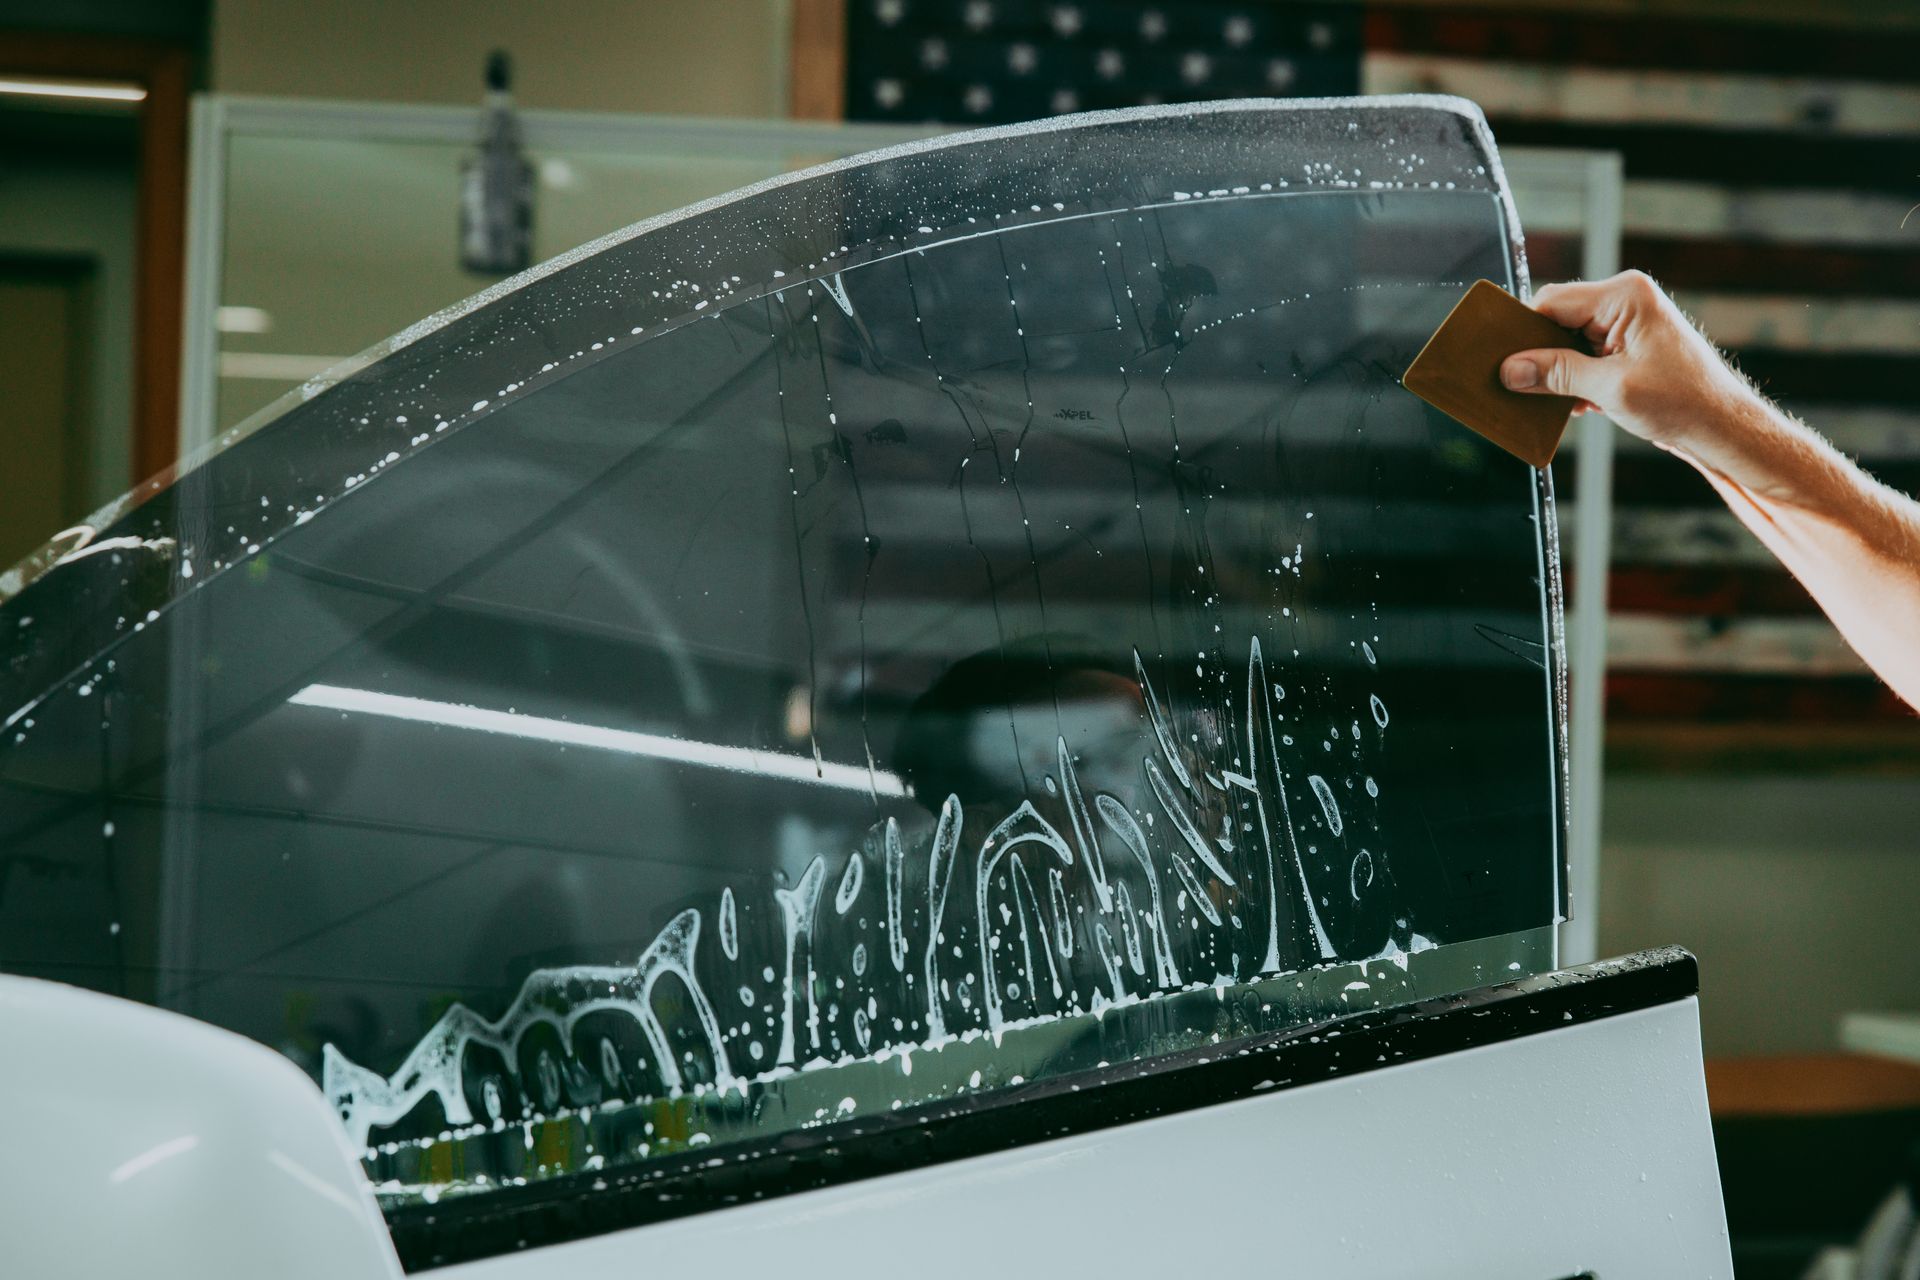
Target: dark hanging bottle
496	185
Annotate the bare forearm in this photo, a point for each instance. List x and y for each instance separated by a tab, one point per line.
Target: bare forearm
1853	543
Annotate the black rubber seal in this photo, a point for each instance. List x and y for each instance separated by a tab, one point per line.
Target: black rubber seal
588	1204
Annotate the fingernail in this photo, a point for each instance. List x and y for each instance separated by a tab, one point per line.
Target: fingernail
1520	374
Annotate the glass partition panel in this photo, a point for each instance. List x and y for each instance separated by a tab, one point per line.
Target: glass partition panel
973	614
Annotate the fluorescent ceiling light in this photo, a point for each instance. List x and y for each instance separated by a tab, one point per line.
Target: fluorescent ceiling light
241	320
769	764
91	91
273	366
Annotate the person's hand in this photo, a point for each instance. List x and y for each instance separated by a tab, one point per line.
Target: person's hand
1653	372
1852	542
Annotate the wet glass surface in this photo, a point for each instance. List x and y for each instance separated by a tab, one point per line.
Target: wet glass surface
1038	643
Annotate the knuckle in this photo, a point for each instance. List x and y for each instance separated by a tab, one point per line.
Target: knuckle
1557	375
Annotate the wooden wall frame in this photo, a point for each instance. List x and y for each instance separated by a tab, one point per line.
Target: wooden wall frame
163	70
817	77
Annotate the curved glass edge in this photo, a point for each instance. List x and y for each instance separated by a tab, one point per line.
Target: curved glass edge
94	534
1465	108
617	1140
1553	606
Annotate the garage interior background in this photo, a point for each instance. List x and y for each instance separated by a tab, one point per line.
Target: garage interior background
1760	790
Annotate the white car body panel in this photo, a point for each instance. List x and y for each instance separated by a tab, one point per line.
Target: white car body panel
1579	1150
143	1143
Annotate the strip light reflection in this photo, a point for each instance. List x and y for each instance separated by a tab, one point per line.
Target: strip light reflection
769	764
87	90
147	1159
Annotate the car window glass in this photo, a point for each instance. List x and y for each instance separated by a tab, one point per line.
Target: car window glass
688	699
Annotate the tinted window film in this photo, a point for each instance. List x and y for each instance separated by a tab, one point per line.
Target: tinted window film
1022	642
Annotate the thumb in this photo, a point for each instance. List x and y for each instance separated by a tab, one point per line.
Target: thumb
1559	372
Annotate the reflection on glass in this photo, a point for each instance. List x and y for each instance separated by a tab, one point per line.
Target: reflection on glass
331	244
670	706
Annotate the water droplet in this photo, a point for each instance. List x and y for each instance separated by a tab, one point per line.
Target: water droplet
1360	874
1328	806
